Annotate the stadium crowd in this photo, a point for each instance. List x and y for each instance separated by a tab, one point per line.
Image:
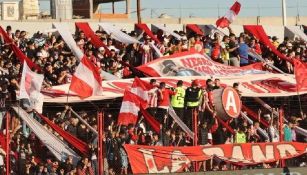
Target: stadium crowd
29	156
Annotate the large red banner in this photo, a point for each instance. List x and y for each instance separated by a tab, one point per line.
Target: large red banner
158	159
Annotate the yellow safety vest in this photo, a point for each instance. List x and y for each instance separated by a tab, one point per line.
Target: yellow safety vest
178	99
196	103
240	138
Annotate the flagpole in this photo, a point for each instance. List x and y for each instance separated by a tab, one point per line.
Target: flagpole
100	121
299	99
7	143
284	13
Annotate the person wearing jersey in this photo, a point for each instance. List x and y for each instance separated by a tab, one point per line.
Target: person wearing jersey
163	103
153	98
177	100
192	101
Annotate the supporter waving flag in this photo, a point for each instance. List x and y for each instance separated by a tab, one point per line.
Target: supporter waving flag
230	16
86	81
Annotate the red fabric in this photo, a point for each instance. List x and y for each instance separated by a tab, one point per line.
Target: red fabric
19	54
236	7
254	115
82	88
216	51
165	159
155	125
145	28
195	29
3	141
300	71
75	142
222	22
229	17
94	39
164	100
258	32
129	112
225	125
126	72
256	66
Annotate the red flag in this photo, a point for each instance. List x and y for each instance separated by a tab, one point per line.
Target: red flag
140	88
195	29
94	39
130	108
229	16
86	81
300	71
155	125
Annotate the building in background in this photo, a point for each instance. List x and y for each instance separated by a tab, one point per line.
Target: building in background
61	9
90	9
10	10
29	9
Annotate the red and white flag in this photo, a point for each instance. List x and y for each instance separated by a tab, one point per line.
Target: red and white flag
30	87
140	88
230	16
130	108
86	81
300	71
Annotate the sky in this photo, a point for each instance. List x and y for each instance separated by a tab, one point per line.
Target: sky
205	8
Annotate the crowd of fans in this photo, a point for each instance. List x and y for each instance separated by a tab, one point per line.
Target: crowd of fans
30	156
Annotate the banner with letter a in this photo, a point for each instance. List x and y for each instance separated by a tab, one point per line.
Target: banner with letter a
159	159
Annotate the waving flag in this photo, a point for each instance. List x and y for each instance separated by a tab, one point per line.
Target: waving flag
140	88
30	86
86	81
130	108
300	70
230	16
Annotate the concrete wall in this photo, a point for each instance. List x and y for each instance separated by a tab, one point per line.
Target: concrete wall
272	25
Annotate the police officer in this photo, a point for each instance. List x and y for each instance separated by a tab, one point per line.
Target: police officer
177	100
192	100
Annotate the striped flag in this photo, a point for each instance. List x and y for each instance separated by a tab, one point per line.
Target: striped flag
86	81
230	16
130	108
140	88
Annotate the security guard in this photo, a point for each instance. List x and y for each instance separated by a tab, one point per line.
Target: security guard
192	100
177	100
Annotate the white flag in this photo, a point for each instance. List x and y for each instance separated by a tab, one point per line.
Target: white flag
30	86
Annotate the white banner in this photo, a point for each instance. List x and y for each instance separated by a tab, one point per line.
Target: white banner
117	34
58	148
256	85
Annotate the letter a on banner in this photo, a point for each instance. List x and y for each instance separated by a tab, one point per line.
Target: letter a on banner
231	102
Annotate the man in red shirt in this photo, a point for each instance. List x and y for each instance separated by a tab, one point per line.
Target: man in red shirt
163	103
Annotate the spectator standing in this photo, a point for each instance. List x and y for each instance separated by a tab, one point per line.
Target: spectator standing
243	52
234	57
163	103
192	100
177	100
